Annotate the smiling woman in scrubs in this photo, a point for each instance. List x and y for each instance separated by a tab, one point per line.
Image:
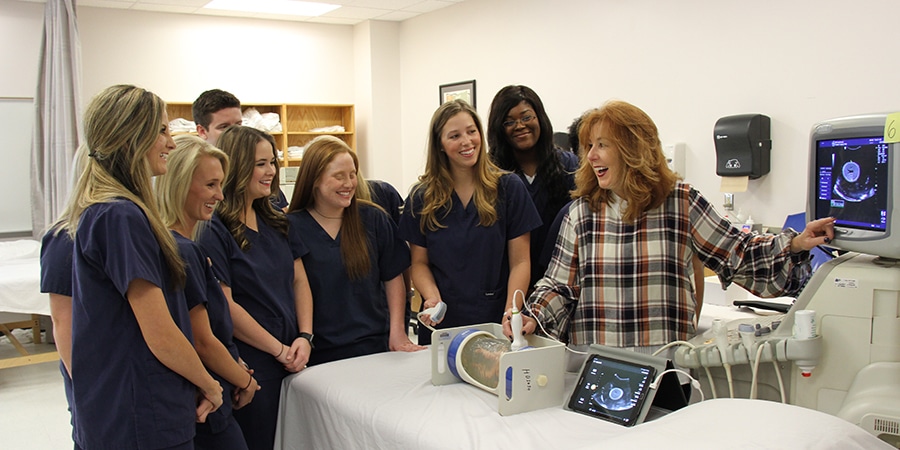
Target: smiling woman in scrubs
520	136
187	195
355	261
468	224
135	374
267	289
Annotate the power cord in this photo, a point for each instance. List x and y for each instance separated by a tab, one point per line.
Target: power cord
720	332
694	383
536	315
712	384
778	374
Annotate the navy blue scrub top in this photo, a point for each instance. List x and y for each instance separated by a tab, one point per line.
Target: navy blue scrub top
278	199
348	313
56	263
124	396
261	281
56	278
202	288
552	236
387	197
469	262
548	210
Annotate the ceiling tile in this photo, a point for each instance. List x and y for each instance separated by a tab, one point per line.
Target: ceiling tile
106	4
398	16
143	6
351	12
428	6
182	3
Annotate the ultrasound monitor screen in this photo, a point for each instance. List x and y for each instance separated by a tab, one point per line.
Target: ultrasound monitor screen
611	389
853	182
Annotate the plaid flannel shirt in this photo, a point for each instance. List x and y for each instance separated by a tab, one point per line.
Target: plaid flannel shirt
629	284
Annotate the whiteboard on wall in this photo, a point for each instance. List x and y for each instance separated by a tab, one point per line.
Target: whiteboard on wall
16	121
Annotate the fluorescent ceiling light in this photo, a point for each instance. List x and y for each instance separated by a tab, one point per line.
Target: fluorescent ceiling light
292	7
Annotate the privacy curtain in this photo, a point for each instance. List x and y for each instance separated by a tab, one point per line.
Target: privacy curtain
57	115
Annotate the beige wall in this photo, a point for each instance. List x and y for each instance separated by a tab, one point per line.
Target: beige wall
686	63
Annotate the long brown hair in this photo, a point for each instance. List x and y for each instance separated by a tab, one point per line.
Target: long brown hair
646	178
239	143
437	183
354	245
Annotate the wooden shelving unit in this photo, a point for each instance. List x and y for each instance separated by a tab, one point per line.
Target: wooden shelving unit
297	122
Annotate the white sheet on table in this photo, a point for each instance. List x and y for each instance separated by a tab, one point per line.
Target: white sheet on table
388	401
746	424
20	277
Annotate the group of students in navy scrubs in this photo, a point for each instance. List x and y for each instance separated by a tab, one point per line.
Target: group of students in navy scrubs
190	304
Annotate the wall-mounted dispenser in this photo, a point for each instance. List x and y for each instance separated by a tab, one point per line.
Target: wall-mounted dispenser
743	145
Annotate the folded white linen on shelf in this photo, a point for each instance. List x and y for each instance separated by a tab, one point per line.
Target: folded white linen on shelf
181	125
331	129
269	122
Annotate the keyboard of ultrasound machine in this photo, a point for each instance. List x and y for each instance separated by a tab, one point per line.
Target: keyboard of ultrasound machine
764	325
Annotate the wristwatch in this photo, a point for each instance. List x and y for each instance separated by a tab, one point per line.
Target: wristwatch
308	337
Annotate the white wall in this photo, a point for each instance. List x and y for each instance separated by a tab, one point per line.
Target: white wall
21	29
178	56
377	78
685	63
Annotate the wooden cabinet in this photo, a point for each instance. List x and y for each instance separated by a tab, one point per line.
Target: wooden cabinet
299	123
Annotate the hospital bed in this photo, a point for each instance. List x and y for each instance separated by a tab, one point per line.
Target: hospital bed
21	302
387	400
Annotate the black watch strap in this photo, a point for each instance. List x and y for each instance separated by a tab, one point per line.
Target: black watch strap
308	337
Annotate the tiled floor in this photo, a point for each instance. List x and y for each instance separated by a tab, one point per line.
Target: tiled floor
33	410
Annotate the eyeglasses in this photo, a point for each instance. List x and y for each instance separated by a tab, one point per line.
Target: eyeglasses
512	122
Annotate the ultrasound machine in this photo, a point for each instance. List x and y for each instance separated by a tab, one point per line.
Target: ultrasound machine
837	349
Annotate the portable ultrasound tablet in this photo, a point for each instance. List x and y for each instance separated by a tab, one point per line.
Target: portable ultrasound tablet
614	390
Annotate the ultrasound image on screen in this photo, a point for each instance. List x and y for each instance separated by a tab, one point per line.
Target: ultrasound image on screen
853	182
611	389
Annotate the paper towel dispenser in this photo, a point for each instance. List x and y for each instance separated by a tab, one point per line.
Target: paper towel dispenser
743	145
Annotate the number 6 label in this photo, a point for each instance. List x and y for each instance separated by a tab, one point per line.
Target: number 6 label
892	128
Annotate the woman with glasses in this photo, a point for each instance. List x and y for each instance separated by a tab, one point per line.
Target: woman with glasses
468	224
520	138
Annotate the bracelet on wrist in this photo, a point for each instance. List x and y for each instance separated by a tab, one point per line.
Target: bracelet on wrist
281	352
249	382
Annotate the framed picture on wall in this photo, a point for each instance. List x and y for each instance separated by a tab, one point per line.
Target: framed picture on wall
464	90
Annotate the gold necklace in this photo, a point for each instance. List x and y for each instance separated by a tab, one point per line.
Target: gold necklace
327	217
